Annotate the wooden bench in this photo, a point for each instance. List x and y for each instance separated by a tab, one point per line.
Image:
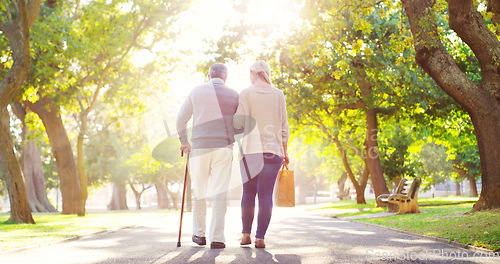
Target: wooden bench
404	200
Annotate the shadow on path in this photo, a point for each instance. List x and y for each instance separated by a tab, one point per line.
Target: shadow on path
294	236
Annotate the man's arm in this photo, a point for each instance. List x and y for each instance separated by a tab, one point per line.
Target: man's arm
239	116
185	113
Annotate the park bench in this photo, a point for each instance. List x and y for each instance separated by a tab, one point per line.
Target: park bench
404	199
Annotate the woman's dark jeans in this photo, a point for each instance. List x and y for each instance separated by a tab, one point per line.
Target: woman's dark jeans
261	183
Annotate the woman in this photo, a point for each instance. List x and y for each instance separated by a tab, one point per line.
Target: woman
262	114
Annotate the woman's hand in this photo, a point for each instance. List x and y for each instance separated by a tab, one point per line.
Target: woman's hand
286	159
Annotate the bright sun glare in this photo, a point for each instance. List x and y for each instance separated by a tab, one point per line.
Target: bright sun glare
204	23
206	20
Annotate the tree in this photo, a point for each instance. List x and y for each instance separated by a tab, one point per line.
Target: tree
313	163
18	17
480	100
436	168
395	142
343	67
119	32
53	46
82	50
171	170
456	133
145	171
31	165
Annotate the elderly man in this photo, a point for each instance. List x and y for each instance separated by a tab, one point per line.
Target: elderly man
212	106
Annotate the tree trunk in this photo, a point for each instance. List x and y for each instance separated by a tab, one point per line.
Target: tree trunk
175	198
482	101
20	211
343	193
28	169
372	155
16	30
304	186
473	186
63	154
162	195
137	196
82	176
347	166
35	182
31	165
118	198
41	191
457	187
488	139
363	180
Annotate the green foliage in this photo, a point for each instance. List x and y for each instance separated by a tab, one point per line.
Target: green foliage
436	167
346	57
457	134
5	57
50	171
346	60
8	10
80	47
395	140
452	129
102	157
148	170
312	161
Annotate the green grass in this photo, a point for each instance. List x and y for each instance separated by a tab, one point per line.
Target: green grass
351	209
447	200
51	227
349	204
448	221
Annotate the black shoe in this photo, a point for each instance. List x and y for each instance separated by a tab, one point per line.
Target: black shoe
217	245
199	240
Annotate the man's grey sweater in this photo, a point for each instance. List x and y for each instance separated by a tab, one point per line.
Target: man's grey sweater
212	106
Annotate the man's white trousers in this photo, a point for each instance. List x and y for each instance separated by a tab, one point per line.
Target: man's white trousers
210	172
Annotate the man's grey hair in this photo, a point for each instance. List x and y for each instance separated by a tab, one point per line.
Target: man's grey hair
218	70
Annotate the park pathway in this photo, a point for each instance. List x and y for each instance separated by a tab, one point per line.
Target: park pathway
294	236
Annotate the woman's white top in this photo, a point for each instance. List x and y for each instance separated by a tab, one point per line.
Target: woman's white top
262	114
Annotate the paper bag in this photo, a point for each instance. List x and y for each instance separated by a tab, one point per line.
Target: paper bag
285	188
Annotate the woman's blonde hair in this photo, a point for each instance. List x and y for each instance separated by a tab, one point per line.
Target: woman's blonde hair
262	69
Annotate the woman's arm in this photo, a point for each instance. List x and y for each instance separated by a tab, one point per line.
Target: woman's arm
285	131
239	116
286	159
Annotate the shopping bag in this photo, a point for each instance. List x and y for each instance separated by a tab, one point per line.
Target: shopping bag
285	190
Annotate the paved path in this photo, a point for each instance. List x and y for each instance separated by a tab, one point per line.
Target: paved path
295	236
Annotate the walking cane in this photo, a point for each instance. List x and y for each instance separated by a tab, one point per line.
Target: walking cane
183	196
